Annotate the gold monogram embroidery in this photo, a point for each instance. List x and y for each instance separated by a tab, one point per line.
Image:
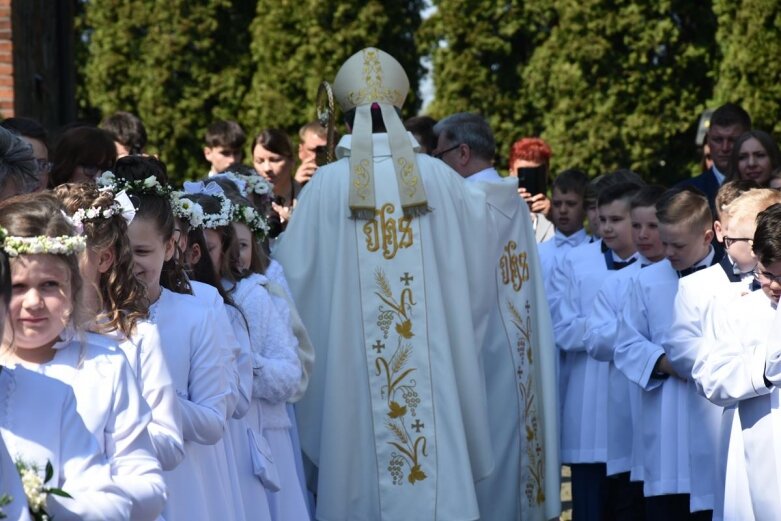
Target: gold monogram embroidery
361	181
514	267
387	232
398	385
535	492
408	177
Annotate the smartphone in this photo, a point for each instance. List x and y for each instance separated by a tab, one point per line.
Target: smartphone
533	179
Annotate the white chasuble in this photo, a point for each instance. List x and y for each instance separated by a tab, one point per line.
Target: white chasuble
394	419
519	357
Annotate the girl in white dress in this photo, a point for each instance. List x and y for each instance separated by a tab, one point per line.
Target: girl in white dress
202	270
276	367
38	418
15	508
197	487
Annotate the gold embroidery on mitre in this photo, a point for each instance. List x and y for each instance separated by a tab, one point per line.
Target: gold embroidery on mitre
535	492
398	385
389	233
373	89
514	267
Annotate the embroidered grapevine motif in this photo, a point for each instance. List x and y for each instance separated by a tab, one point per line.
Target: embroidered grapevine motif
398	384
535	492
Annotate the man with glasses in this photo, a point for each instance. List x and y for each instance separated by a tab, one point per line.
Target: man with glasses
466	144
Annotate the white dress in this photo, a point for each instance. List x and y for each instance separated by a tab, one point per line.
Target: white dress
236	360
113	410
201	380
11	485
39	424
144	352
277	375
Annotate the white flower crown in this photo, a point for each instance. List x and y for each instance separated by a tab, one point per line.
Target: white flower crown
210	220
62	245
121	206
187	209
150	185
255	221
256	184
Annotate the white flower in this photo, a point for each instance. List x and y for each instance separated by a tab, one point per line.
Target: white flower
33	489
150	182
106	179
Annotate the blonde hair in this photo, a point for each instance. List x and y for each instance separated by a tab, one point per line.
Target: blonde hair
751	203
730	191
686	206
123	298
41	214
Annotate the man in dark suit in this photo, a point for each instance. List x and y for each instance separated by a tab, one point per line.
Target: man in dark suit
727	123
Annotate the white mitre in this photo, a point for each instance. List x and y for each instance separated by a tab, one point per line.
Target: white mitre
370	77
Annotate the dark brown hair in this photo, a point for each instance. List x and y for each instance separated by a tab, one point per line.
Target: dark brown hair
81	146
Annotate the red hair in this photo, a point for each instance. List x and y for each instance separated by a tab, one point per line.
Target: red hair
530	149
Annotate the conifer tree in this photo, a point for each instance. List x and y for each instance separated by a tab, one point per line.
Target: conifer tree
177	64
748	71
298	44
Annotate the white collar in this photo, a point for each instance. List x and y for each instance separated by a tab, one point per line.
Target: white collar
575	239
380	145
487	174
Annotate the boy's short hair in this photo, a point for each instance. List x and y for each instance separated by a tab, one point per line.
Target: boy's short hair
571	180
647	196
730	191
127	129
684	205
601	182
619	192
226	134
315	127
767	238
750	203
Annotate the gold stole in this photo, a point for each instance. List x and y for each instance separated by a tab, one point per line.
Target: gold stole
396	345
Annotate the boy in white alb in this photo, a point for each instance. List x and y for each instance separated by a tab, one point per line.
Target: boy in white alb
686	230
568	211
732	276
625	496
742	368
584	403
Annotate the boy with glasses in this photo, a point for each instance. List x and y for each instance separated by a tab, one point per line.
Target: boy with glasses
732	276
741	372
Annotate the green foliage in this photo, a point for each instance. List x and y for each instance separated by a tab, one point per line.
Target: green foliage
479	51
749	38
298	44
177	64
622	85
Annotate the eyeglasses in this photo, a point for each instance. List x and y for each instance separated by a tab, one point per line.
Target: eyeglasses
729	241
44	167
439	155
766	276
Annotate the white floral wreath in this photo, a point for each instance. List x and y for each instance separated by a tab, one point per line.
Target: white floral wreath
150	185
62	245
187	209
255	221
121	206
209	220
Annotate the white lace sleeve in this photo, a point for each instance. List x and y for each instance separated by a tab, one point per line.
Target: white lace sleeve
276	368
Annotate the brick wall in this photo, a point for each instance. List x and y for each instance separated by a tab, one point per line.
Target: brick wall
6	61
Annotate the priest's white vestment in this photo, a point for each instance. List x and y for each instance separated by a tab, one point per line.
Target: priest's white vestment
395	414
519	357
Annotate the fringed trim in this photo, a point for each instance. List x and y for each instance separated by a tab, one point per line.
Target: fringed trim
362	214
418	210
